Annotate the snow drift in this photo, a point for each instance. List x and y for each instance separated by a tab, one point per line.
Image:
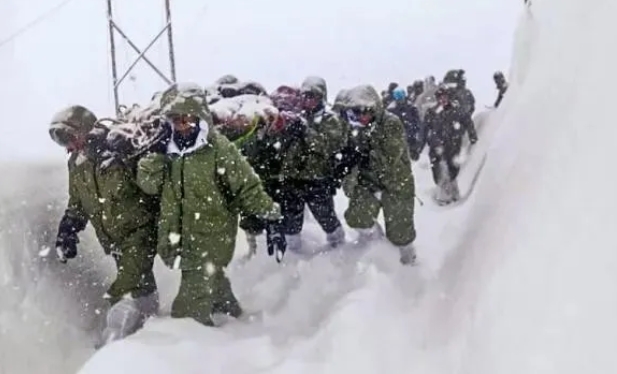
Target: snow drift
48	311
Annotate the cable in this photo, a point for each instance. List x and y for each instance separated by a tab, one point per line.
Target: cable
33	23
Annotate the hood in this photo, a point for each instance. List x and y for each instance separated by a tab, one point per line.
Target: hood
315	84
186	98
365	96
341	101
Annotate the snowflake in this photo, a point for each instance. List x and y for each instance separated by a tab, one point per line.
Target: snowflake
174	238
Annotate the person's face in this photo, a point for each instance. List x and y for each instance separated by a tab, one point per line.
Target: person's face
183	123
310	100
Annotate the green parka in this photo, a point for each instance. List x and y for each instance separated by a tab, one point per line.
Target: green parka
383	177
106	195
203	189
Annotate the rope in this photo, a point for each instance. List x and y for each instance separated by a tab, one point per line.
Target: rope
34	22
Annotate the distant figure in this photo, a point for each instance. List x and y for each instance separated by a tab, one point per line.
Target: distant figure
502	87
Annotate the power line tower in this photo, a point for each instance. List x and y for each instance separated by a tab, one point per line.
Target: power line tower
141	54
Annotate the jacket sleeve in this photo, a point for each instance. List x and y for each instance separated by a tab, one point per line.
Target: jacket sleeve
75	218
328	137
151	171
240	180
396	167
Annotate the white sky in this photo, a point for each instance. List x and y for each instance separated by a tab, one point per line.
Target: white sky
64	60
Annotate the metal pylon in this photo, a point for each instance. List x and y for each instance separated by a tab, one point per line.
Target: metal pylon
141	54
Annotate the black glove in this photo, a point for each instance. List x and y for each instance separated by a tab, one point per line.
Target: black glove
66	246
275	239
66	240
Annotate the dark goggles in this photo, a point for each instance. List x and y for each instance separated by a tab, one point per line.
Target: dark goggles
310	95
62	135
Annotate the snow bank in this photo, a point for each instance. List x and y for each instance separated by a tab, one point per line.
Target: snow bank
532	289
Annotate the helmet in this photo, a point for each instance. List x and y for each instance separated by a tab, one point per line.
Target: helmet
455	76
71	122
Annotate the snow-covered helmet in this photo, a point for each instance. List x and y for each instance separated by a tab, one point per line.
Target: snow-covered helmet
185	98
71	122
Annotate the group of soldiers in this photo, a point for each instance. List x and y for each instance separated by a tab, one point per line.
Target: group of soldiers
439	116
177	179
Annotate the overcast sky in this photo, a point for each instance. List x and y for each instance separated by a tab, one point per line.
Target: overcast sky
64	60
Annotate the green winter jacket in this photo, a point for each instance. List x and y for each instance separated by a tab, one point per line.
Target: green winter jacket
311	157
203	189
109	197
386	164
383	177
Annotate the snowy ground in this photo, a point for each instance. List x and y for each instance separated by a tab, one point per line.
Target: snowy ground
520	279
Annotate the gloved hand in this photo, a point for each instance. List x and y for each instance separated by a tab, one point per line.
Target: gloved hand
66	240
66	246
275	239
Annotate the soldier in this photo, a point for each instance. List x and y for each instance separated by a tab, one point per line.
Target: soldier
502	87
308	169
204	183
383	177
104	192
409	116
445	125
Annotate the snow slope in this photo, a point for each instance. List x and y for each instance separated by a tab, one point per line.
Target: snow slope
527	288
